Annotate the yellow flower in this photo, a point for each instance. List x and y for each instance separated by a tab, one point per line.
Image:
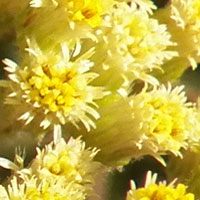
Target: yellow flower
153	123
55	85
35	189
88	11
70	21
130	45
69	161
183	21
167	121
161	191
61	170
186	15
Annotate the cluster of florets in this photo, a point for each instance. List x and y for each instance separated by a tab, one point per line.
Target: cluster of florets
102	71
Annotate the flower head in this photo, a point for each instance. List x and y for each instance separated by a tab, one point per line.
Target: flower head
160	191
69	20
186	14
130	45
183	20
167	121
88	11
153	123
69	161
32	188
61	170
56	85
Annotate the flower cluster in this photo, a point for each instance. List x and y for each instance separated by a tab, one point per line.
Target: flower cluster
150	123
54	86
62	170
105	76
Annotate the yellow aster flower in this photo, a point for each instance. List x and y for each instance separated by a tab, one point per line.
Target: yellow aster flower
69	19
69	161
41	190
161	191
183	21
55	85
130	45
150	123
167	121
61	170
88	11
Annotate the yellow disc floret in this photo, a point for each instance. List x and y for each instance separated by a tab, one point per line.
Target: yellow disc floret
86	11
60	165
164	117
161	191
54	87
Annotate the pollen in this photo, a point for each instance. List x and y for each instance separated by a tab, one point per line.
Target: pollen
87	10
61	165
164	118
54	88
